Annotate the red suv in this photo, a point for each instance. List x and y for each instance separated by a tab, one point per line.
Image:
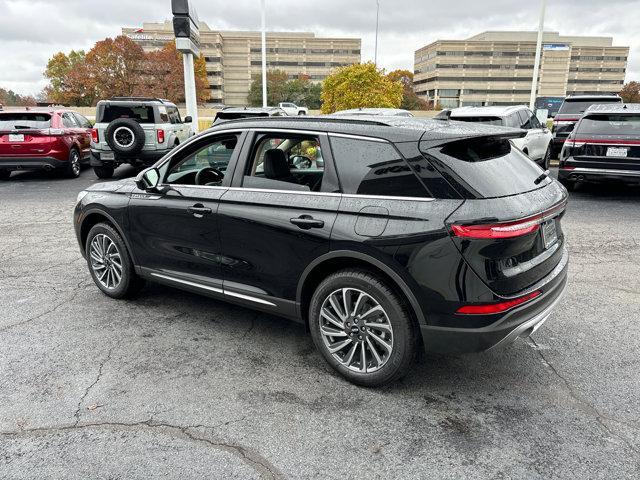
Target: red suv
43	139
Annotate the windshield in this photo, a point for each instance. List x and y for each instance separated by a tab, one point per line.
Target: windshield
486	120
579	106
610	124
18	120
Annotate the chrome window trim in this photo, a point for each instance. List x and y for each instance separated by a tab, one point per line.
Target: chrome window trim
359	137
214	289
332	194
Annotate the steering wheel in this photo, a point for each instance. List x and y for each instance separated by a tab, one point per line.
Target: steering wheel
301	162
209	175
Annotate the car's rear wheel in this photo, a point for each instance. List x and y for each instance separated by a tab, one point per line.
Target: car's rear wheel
104	171
362	328
5	174
73	168
110	264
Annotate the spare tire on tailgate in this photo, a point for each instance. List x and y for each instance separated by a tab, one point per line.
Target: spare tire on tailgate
125	136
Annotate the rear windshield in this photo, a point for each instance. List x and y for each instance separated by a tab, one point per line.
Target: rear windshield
489	167
611	124
16	120
141	114
486	120
579	106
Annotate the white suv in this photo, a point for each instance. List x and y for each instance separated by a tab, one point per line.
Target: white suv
536	144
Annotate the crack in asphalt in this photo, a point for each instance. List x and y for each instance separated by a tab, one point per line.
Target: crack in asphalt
588	407
76	415
246	454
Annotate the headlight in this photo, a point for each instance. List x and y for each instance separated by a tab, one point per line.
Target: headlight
81	195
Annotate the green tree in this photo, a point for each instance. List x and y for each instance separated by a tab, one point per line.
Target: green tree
66	74
276	87
410	100
360	86
630	93
10	98
303	92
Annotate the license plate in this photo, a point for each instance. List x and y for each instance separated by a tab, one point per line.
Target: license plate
16	137
617	151
107	156
549	233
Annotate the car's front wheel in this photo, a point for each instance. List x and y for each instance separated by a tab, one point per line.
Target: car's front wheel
362	328
546	160
104	171
110	264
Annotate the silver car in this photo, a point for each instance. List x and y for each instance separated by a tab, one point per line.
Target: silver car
135	130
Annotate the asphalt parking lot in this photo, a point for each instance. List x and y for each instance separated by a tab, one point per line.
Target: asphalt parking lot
174	385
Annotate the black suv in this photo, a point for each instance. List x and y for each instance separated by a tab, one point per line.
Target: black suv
381	235
569	113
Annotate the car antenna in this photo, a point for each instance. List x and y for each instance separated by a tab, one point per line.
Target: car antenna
444	115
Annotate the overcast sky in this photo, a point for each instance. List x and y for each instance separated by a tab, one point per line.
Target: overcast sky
33	30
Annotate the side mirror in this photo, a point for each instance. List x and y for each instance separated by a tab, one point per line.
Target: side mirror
148	179
188	119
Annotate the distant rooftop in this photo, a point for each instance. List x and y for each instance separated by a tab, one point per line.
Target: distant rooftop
548	37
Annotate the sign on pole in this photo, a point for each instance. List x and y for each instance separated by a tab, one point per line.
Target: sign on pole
186	30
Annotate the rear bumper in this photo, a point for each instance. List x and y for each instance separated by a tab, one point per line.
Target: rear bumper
31	163
146	158
519	322
596	175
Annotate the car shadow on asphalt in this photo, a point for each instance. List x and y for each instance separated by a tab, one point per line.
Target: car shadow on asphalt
460	374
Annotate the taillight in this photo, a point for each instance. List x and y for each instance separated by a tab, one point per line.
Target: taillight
95	138
498	230
160	136
491	308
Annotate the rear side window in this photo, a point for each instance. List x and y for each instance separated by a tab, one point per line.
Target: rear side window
513	120
82	121
611	124
487	167
69	121
15	120
368	167
579	106
141	114
486	120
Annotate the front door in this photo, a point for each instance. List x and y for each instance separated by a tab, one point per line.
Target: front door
277	217
174	232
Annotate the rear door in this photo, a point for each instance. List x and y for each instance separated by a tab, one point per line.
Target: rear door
24	134
85	134
502	187
276	219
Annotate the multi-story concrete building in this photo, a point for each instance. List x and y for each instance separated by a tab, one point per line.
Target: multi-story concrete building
496	68
234	58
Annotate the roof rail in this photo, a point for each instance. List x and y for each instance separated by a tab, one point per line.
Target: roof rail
139	99
311	119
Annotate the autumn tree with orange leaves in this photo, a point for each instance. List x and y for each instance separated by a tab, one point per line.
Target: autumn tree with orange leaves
119	67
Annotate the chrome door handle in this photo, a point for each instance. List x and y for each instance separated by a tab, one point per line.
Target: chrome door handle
307	222
198	210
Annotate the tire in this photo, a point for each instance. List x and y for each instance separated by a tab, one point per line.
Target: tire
5	174
74	166
397	328
105	271
125	136
104	171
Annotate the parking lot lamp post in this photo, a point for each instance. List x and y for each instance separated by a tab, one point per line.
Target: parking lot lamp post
536	65
264	54
375	55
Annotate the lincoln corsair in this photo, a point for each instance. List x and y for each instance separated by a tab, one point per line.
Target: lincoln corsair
382	235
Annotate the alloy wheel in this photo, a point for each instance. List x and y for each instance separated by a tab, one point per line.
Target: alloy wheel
106	261
356	330
124	137
75	163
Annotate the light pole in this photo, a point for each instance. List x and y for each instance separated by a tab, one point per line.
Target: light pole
264	54
536	65
375	57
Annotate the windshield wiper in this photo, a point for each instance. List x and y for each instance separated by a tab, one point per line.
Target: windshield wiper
544	175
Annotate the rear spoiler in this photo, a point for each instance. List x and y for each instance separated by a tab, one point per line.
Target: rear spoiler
455	133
